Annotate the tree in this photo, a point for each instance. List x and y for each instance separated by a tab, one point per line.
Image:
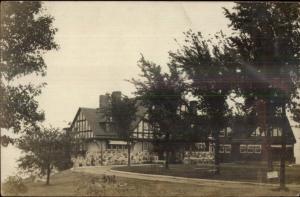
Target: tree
123	113
26	34
162	94
43	149
208	71
267	44
14	185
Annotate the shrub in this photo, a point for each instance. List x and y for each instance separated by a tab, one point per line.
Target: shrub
96	186
14	185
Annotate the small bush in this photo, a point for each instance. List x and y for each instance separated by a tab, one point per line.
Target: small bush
97	186
14	185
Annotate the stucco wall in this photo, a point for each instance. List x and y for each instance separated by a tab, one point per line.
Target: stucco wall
112	157
98	154
198	157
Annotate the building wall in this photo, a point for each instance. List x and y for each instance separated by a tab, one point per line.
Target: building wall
257	155
198	157
100	153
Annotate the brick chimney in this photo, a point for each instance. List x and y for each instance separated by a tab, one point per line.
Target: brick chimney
103	101
116	95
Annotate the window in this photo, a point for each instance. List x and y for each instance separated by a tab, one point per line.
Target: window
150	135
229	131
256	132
140	135
146	126
251	148
279	132
257	148
135	133
200	146
183	108
221	149
141	126
243	148
227	148
107	127
276	132
116	146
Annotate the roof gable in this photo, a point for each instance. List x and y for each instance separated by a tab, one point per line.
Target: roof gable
242	128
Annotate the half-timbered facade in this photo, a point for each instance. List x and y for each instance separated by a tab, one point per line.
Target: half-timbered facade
102	145
240	141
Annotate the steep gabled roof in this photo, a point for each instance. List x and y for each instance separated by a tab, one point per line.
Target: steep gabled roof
242	128
95	116
140	114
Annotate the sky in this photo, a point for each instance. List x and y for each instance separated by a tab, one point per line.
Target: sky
100	44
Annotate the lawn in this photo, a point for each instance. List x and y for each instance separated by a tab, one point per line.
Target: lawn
67	183
233	172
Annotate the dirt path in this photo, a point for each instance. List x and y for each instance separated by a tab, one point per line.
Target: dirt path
99	170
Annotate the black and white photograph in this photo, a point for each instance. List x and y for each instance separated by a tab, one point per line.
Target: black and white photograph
146	98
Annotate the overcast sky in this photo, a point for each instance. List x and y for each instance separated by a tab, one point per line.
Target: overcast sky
101	42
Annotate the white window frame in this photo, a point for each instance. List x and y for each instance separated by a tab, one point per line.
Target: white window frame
249	148
227	148
222	133
257	149
244	148
228	131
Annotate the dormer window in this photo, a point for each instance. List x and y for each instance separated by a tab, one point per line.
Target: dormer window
276	132
256	132
228	131
105	126
225	132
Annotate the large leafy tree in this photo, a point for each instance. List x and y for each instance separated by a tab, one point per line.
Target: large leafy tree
123	113
44	149
267	44
207	67
162	94
26	34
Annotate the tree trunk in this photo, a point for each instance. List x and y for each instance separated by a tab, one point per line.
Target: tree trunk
167	149
269	130
283	151
217	154
167	160
269	151
206	145
129	149
48	174
264	111
101	154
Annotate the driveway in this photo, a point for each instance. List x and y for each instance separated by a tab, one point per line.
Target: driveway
107	170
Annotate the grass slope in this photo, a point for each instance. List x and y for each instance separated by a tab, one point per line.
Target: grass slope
230	172
65	184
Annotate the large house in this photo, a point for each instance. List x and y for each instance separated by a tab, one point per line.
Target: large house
244	142
103	146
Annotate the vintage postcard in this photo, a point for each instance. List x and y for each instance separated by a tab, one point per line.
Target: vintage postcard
143	98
